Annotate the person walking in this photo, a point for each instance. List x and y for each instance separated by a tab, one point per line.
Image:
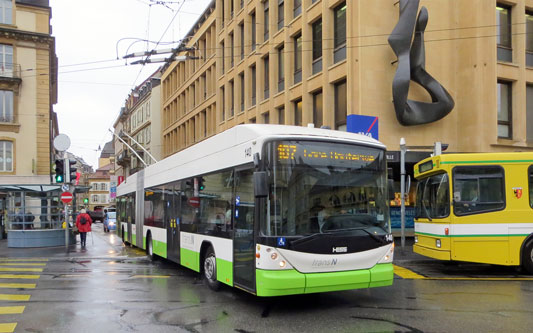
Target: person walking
83	223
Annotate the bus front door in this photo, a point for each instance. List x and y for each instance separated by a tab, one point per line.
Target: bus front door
243	242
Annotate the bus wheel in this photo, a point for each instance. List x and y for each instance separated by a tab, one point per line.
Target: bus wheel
210	269
150	247
527	257
123	239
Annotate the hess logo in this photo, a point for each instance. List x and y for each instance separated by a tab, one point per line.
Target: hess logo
340	249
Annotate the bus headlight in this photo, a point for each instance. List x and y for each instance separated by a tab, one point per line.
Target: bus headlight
416	239
274	256
437	243
388	256
282	264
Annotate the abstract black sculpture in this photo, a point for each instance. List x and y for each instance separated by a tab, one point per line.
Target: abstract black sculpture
411	66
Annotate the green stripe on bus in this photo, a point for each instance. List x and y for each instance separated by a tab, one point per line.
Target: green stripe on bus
480	162
225	271
159	247
476	235
190	259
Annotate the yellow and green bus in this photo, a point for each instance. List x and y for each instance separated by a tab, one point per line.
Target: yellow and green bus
476	207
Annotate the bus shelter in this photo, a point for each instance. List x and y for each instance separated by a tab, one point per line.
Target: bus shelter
33	215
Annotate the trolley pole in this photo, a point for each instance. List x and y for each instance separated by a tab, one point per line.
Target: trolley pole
403	149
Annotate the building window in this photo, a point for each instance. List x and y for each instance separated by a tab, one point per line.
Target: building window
281	14
529	113
267	78
340	106
6	8
505	44
241	29
266	118
529	39
339	33
231	51
223	58
254	39
254	86
317	109
6	106
266	27
298	113
317	46
281	70
6	156
222	109
6	60
6	12
298	59
281	115
505	109
241	76
297	8
231	9
231	98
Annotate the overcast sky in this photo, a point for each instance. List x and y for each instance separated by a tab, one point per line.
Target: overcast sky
93	84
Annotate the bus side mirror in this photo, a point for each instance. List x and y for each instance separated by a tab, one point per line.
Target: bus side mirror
260	184
390	185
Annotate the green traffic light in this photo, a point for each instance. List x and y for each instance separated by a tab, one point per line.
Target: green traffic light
85	200
59	178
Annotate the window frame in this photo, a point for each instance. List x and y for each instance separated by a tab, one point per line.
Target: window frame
509	122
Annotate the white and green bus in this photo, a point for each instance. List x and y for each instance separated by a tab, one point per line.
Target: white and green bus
273	210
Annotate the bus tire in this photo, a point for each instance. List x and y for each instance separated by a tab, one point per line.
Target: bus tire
210	269
527	257
150	247
123	239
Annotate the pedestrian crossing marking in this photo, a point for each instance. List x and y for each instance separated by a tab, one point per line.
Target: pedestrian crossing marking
21	269
406	274
8	327
11	309
12	297
23	264
18	276
18	285
23	259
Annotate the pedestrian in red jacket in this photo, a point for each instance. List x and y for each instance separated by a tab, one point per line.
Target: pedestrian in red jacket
83	223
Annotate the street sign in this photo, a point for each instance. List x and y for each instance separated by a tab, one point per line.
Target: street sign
66	197
194	202
65	187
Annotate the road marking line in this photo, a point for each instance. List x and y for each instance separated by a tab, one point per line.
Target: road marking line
21	269
406	274
18	276
8	327
150	276
12	297
479	279
23	259
18	285
11	309
22	264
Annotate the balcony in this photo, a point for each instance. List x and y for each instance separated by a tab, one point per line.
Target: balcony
10	76
123	158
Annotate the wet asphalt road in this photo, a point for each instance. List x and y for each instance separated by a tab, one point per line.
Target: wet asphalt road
113	288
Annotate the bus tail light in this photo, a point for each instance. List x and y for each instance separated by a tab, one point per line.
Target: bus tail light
437	243
446	231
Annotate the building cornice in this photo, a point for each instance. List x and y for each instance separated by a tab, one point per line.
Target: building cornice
27	36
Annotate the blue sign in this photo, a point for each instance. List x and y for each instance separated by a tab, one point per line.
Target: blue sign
396	217
282	241
366	125
238	201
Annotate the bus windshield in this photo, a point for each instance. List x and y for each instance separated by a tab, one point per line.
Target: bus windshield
319	187
433	197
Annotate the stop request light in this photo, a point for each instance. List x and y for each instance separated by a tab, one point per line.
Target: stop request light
60	171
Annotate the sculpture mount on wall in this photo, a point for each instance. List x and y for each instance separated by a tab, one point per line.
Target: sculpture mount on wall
411	66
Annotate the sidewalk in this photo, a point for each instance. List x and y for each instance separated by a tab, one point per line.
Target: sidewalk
99	245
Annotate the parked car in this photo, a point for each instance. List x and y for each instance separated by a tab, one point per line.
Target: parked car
96	215
110	221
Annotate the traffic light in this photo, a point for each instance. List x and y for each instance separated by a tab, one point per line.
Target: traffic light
85	200
60	171
201	185
71	171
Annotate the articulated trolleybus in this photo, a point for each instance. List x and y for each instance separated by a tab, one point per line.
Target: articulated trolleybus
274	210
476	208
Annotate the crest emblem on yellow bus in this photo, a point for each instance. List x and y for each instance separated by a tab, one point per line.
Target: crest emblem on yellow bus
517	192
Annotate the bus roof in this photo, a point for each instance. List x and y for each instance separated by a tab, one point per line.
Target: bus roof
434	163
235	146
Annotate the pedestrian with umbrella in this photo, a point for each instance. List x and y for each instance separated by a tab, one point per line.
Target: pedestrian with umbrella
83	223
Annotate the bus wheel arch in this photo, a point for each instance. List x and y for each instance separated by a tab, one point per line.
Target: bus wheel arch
149	246
526	254
208	266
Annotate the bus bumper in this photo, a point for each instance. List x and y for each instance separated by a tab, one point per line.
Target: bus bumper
290	282
432	253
